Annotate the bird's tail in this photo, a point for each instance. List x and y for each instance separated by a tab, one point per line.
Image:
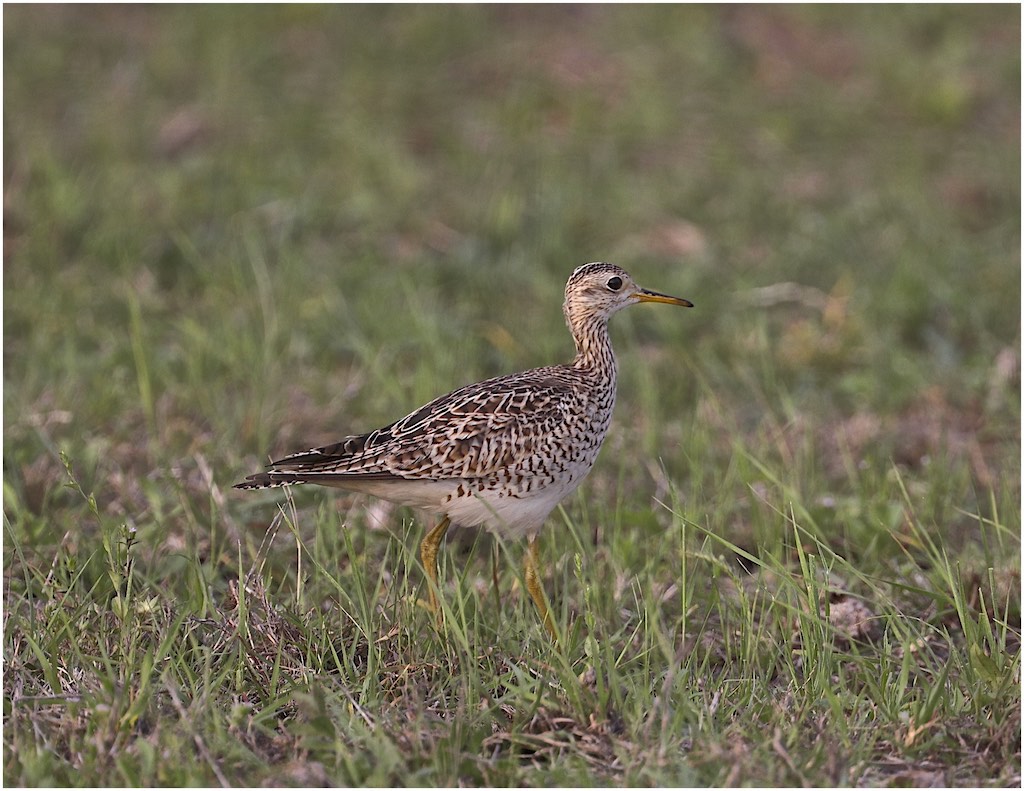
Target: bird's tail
269	480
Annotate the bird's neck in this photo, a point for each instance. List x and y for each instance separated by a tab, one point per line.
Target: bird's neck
593	346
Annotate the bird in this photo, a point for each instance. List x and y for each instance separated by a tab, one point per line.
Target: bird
501	453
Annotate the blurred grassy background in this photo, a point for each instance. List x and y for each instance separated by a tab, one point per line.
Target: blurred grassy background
285	172
236	232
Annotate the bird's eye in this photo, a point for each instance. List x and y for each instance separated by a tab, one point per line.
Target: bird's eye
614	283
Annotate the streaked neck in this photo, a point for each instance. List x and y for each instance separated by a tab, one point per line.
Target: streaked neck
593	346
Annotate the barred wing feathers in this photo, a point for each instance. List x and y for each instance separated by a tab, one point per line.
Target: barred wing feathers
473	432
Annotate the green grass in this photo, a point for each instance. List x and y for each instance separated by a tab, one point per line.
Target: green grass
236	233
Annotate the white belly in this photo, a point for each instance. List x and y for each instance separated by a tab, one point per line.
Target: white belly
510	510
509	515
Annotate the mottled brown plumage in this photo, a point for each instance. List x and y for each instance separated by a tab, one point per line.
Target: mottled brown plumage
502	452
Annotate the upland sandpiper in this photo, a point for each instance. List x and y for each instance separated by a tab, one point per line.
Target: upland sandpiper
500	453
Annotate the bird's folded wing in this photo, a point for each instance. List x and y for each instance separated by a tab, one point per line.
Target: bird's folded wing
472	432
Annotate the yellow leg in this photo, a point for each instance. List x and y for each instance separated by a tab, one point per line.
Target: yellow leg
428	555
531	562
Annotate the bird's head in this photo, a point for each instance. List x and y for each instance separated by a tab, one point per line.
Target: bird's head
600	290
